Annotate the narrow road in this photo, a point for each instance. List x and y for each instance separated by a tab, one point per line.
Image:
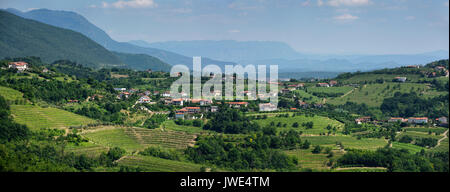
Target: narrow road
439	141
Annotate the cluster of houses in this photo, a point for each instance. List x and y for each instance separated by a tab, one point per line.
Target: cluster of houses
439	69
329	84
443	121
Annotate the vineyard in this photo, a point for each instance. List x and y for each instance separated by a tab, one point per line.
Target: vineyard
36	117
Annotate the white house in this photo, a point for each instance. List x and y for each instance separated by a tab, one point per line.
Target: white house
20	66
267	107
400	79
418	120
144	99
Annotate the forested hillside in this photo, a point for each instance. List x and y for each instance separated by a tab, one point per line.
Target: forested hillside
22	37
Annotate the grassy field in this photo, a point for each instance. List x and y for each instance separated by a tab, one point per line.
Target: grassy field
87	148
343	90
320	123
347	142
306	159
410	147
374	94
443	147
154	164
373	77
307	97
361	169
171	125
415	134
437	130
114	138
36	117
10	95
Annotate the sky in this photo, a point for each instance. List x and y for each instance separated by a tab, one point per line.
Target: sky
308	26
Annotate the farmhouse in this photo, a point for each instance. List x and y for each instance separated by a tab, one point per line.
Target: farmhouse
144	99
418	120
443	121
267	107
323	85
397	119
20	65
166	94
202	101
363	120
400	79
333	83
237	104
179	102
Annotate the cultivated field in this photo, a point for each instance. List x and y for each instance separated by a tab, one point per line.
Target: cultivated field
347	141
306	159
36	117
337	90
373	77
154	164
137	139
374	94
10	95
320	123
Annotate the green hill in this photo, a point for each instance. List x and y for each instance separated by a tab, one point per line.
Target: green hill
21	37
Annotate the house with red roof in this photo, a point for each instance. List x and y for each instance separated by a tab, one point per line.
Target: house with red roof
20	65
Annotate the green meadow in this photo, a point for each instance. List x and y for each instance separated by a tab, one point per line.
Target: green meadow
319	123
374	94
347	141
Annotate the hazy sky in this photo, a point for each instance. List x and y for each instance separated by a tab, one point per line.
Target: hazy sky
309	26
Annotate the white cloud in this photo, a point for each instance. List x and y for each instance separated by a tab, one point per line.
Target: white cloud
131	4
234	31
337	3
346	17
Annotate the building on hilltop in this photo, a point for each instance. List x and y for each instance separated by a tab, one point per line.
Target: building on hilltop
20	65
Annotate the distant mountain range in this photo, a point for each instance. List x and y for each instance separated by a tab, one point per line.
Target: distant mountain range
277	53
76	22
228	52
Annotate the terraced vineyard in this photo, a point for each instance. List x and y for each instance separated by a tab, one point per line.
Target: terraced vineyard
88	149
136	139
158	137
36	117
154	164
